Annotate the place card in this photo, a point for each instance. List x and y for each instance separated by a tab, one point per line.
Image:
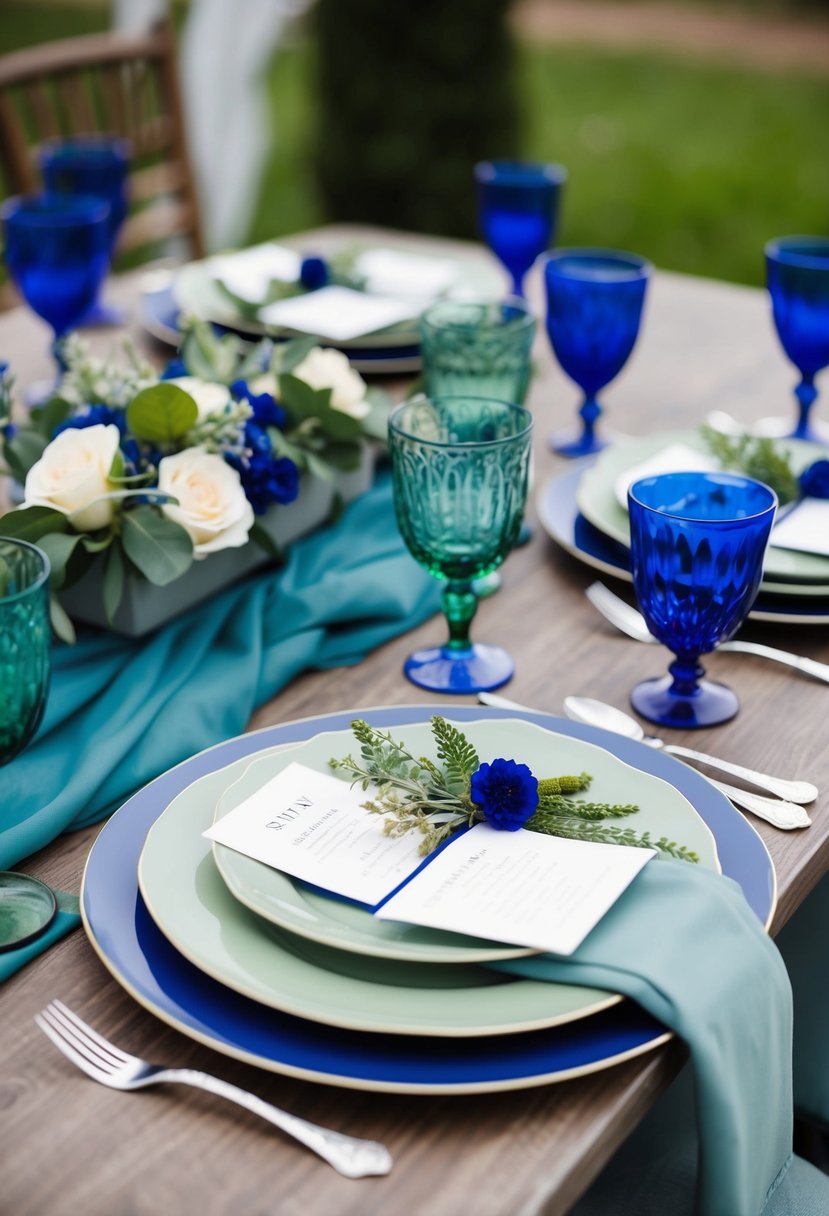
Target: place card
804	528
391	272
338	313
676	458
249	273
520	887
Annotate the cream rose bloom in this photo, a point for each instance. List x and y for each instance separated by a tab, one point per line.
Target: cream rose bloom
331	369
209	397
73	474
212	506
266	383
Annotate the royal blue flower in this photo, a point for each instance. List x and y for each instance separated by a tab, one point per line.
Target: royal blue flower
93	415
814	481
506	792
314	272
174	369
266	478
266	409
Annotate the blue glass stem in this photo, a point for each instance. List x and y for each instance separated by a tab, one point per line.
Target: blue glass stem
806	394
58	355
590	411
518	285
687	673
459	606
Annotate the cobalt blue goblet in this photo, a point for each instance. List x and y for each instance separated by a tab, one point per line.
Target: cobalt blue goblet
96	166
594	309
697	542
57	252
518	211
797	274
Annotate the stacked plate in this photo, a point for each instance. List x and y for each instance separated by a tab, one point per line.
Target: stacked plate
196	290
264	968
582	511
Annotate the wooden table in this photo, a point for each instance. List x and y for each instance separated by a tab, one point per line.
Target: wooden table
72	1146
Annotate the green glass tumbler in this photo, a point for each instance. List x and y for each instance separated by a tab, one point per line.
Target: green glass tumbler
24	643
460	469
478	348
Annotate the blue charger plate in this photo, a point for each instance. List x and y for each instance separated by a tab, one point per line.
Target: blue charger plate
158	977
561	519
159	315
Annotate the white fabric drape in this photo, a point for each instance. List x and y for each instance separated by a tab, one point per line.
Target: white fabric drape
224	49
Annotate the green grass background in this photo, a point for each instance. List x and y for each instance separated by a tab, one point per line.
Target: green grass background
694	164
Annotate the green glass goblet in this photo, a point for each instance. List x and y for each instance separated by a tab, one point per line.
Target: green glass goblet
460	469
24	683
477	347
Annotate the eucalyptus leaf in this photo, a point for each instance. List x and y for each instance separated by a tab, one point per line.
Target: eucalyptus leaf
262	537
61	623
50	415
113	582
161	413
290	354
159	548
58	547
300	400
31	523
23	450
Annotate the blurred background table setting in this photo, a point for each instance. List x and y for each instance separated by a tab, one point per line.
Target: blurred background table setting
296	498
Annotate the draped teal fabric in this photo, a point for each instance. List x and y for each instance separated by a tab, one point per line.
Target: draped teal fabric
684	944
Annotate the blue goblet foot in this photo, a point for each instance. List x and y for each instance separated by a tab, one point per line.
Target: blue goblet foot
709	704
479	668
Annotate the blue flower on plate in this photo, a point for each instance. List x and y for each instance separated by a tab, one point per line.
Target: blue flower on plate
506	792
814	481
314	272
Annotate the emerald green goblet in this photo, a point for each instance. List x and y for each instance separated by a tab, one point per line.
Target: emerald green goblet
24	643
460	468
477	347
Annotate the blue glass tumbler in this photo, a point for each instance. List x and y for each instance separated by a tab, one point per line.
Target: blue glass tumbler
57	252
460	467
697	542
518	205
97	166
594	310
797	274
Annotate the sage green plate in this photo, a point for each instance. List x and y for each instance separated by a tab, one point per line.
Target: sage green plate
293	905
784	570
192	906
196	292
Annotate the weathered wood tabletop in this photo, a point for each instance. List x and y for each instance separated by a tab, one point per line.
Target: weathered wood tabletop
70	1145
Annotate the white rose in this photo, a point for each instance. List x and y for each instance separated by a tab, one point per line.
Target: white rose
209	397
331	369
73	474
266	383
212	506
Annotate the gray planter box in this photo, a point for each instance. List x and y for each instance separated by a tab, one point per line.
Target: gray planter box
144	606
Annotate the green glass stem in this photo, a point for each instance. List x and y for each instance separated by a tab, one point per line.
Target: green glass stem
459	606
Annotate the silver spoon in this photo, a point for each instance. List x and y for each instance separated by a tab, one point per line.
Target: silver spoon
631	622
779	812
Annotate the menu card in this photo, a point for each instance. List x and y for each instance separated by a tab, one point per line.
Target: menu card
804	528
519	887
338	313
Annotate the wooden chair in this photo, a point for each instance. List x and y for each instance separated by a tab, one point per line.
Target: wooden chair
122	85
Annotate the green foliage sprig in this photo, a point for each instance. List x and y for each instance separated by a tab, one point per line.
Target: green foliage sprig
415	793
754	456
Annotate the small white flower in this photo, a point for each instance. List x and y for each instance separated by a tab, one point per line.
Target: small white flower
212	506
331	369
73	474
210	398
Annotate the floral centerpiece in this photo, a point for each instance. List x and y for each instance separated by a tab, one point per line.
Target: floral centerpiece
140	475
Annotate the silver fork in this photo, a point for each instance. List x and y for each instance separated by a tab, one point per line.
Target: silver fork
104	1062
631	622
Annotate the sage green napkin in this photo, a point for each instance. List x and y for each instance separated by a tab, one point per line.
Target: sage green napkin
122	710
802	943
684	944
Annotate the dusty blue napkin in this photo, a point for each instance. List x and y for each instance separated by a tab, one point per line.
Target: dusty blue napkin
684	944
121	711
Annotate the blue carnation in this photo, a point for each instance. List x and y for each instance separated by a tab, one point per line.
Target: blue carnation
314	272
266	479
266	410
506	792
814	481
